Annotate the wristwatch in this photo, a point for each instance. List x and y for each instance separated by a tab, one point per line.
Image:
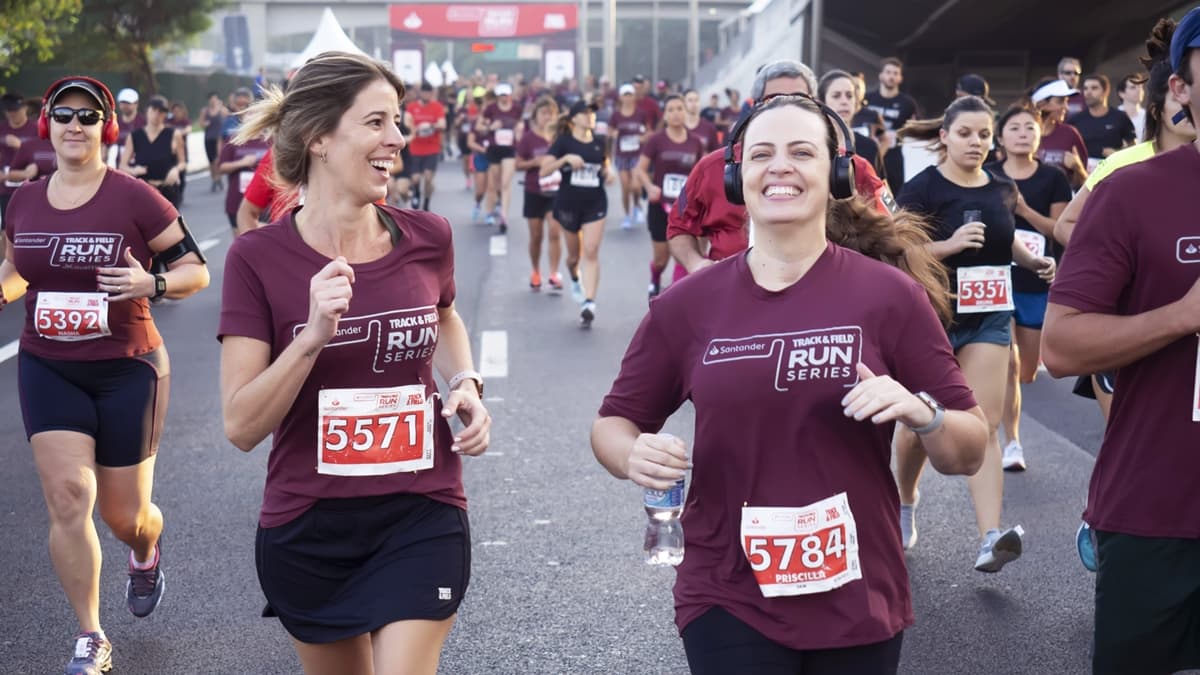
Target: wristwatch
939	414
160	286
468	375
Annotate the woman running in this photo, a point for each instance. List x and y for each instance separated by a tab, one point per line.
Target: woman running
672	153
582	202
627	127
155	153
363	546
698	126
839	90
1042	195
1061	145
93	373
539	193
973	235
501	121
791	357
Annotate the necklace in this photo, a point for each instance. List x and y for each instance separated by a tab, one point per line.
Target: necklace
61	193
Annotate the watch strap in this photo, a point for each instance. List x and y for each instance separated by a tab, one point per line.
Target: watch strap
939	414
467	375
160	286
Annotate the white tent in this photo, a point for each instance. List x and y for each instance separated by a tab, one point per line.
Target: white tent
329	38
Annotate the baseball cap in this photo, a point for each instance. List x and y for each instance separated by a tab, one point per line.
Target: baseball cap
127	95
504	89
12	101
1187	35
581	106
80	85
1052	89
975	85
626	89
158	103
639	78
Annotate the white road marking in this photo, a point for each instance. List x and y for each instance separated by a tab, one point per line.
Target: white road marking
9	350
498	245
493	353
209	243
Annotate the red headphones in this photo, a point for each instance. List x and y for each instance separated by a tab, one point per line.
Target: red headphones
110	131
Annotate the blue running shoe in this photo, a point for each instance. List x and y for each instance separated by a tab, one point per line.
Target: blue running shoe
145	588
1085	542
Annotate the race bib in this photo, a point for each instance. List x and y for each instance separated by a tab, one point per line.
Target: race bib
1196	393
504	137
801	551
673	185
587	176
984	289
71	317
629	143
1034	241
244	178
601	129
374	432
466	128
550	183
425	130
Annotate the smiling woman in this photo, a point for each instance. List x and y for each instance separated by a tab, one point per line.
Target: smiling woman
342	266
798	436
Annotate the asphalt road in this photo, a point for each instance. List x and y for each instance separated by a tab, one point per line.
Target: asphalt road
558	585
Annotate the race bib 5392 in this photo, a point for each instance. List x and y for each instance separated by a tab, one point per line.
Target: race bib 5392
71	317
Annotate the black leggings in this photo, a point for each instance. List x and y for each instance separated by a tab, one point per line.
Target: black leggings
718	643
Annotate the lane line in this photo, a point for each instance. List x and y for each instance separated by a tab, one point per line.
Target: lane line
498	245
9	350
209	243
493	353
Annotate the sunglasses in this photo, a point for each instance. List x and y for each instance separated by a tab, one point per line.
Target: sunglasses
87	116
1070	72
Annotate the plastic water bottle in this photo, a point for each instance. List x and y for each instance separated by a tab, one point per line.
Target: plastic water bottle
664	532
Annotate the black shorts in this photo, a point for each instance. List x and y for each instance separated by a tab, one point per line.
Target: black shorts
351	566
121	403
463	146
718	643
497	153
1085	388
1147	605
573	212
210	149
406	165
4	199
423	163
656	222
537	205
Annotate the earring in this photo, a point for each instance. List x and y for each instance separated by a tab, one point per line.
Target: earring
324	157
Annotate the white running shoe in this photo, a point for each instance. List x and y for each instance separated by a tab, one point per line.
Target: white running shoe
587	314
1014	457
577	293
908	524
998	549
627	224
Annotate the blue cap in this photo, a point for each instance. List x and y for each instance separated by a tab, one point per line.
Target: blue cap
1187	35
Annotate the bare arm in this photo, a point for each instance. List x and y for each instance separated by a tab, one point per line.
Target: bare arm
1043	224
184	276
451	357
127	157
12	284
248	214
686	250
28	173
1065	225
641	174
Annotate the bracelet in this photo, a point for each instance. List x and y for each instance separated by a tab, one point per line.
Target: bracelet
467	375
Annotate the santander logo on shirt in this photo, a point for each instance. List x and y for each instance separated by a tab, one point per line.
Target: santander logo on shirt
804	357
75	250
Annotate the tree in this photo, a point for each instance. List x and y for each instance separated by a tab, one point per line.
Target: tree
123	33
30	30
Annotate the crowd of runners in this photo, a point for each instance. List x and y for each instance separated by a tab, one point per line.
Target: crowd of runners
917	267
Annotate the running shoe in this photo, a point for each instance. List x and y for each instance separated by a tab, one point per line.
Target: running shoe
1085	543
503	226
908	524
577	291
93	655
556	285
490	221
475	213
1014	457
653	290
144	590
641	215
998	549
535	280
627	224
587	314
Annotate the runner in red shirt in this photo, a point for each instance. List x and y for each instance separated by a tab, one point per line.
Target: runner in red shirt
427	119
800	357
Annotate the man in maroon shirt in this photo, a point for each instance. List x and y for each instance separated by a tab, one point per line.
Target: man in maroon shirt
1127	298
647	103
16	129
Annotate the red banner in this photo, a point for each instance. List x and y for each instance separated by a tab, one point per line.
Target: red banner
492	21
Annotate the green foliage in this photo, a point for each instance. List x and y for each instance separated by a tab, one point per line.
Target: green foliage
31	30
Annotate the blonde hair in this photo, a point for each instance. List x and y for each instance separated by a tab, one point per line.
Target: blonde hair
316	98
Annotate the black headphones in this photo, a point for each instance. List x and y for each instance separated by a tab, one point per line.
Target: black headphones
841	169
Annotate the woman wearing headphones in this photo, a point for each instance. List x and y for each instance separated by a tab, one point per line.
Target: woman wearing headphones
793	559
93	371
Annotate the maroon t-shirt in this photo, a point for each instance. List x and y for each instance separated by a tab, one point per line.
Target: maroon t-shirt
1060	141
39	151
386	339
766	372
238	181
707	133
672	162
509	119
653	112
26	132
532	146
1137	248
59	250
622	126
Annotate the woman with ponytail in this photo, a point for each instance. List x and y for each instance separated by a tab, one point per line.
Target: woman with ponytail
971	212
363	545
800	356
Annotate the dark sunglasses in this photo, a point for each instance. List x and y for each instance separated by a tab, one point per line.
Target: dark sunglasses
1069	72
87	116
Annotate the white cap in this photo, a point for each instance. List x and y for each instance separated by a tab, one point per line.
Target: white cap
1052	89
127	95
626	89
504	89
